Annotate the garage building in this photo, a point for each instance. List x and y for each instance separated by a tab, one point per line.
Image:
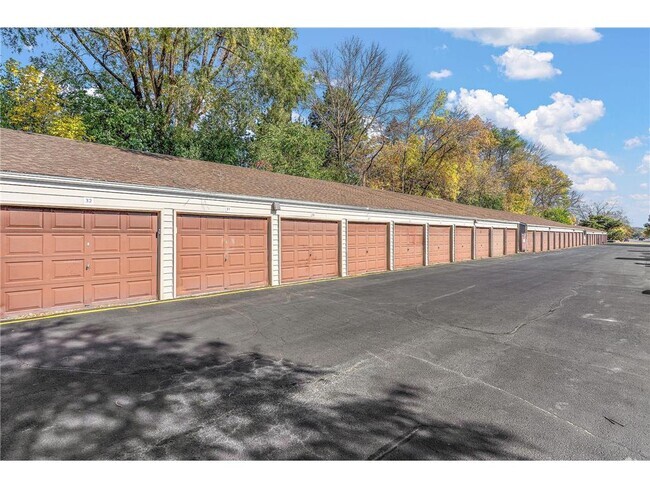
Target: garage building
87	225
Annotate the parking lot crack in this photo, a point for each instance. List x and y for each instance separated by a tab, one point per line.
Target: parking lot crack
473	379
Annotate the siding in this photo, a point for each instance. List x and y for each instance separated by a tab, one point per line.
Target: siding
275	249
343	251
166	241
76	194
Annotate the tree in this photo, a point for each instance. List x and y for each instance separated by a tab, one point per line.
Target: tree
31	101
358	92
292	148
559	214
586	210
177	76
617	228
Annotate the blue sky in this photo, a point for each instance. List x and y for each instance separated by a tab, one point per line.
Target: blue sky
581	93
584	94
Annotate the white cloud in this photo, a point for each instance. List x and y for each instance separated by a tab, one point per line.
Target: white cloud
642	197
643	185
526	37
633	142
526	64
596	184
548	125
644	167
438	75
592	166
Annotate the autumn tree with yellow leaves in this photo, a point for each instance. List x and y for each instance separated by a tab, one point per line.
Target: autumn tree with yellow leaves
32	101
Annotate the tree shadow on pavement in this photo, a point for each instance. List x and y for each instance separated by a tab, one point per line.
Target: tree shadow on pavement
82	392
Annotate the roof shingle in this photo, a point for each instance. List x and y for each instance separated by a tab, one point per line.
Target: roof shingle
24	152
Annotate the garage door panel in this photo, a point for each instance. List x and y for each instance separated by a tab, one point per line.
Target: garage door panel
463	243
367	247
23	219
20	245
497	242
212	261
256	242
237	259
102	221
236	278
68	220
439	244
214	281
189	283
140	222
104	292
232	253
72	253
482	243
309	249
409	246
140	288
257	277
67	295
63	269
237	242
110	243
23	300
104	267
65	243
189	222
22	272
213	242
511	241
139	265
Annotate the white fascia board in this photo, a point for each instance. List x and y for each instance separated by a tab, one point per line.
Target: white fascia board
538	227
163	197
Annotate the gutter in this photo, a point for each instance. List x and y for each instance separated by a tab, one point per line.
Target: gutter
23	178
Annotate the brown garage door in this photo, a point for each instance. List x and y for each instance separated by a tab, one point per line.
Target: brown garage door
409	246
215	253
482	243
439	244
55	259
544	241
310	249
498	242
463	243
538	241
367	248
511	241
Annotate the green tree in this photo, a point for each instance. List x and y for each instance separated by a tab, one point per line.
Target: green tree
178	77
292	148
559	214
32	101
617	229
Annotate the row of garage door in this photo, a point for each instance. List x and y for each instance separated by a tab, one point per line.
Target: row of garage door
539	241
55	259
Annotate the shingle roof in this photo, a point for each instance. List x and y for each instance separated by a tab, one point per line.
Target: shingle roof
24	152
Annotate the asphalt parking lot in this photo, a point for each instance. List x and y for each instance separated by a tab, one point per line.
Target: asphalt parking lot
537	356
